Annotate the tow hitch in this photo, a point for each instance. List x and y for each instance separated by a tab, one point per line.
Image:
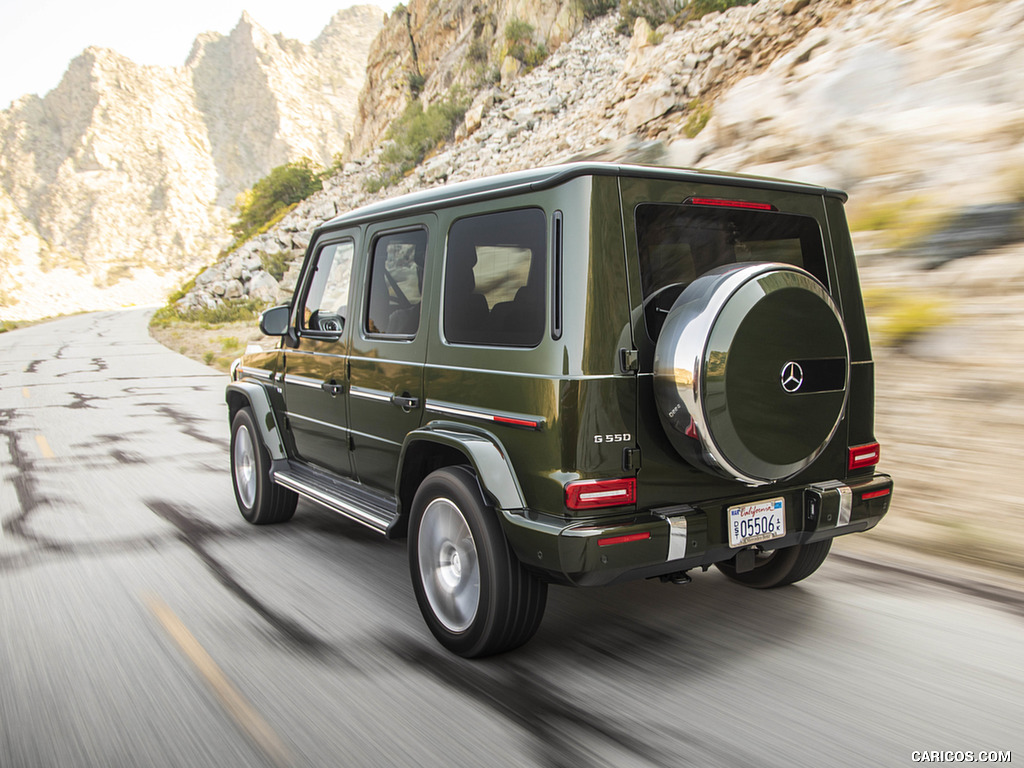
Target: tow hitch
679	577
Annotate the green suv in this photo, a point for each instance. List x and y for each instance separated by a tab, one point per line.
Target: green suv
575	375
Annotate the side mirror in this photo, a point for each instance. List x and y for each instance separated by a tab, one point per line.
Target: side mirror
274	321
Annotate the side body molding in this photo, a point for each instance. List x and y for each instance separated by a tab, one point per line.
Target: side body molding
256	397
485	453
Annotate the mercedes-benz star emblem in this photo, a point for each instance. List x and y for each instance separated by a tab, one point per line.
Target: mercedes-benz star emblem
792	377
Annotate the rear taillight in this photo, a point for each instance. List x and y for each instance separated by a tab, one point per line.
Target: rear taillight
593	494
863	456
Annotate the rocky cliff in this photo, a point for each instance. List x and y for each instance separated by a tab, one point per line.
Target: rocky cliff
121	179
431	47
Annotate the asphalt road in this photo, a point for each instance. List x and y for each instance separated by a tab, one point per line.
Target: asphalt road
144	623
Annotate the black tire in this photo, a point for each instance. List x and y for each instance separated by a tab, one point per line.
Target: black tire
779	567
474	594
260	500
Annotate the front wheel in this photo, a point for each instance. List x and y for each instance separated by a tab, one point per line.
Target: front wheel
475	596
779	567
260	500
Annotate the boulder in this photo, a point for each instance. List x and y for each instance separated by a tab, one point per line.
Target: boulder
263	287
234	289
650	103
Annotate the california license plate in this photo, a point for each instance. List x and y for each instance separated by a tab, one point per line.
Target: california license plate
757	522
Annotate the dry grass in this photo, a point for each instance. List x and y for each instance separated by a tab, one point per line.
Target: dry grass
214	345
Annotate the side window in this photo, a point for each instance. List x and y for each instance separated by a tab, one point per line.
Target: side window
494	283
396	284
324	307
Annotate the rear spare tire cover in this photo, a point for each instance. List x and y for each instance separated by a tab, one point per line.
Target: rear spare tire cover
751	371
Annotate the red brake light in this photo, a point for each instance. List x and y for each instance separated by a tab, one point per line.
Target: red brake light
862	456
592	494
731	203
875	494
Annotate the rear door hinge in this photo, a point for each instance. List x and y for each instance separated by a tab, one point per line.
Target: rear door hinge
629	359
630	459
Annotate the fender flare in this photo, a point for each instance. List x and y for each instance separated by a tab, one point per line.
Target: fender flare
485	453
258	400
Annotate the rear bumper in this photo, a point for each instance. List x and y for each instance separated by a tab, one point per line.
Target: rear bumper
677	538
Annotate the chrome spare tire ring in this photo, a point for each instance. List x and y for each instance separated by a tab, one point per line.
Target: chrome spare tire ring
751	371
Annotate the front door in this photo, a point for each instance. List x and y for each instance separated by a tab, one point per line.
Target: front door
315	371
388	348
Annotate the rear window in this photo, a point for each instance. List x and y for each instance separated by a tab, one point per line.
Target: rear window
679	243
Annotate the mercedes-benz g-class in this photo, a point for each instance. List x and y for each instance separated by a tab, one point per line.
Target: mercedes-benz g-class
574	375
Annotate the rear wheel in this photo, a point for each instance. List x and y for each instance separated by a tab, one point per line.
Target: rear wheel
260	500
475	596
779	567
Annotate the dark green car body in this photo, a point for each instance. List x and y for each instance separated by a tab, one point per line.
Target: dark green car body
556	382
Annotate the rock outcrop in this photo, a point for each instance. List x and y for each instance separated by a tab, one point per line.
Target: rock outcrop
432	47
121	179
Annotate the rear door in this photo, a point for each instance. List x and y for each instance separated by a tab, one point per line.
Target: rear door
677	231
388	346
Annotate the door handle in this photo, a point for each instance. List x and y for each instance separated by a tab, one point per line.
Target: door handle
405	401
332	387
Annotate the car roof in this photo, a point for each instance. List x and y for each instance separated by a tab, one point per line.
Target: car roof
518	182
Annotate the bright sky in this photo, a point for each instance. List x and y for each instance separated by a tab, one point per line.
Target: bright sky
38	38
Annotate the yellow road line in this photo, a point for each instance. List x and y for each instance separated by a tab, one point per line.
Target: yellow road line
44	447
247	718
25	393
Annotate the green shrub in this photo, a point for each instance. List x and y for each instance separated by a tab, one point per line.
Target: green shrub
185	288
658	12
655	11
903	222
208	357
273	196
477	52
519	43
415	133
275	264
229	342
896	317
699	8
698	115
518	32
416	83
594	8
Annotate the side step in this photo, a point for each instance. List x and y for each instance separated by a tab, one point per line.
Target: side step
353	500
